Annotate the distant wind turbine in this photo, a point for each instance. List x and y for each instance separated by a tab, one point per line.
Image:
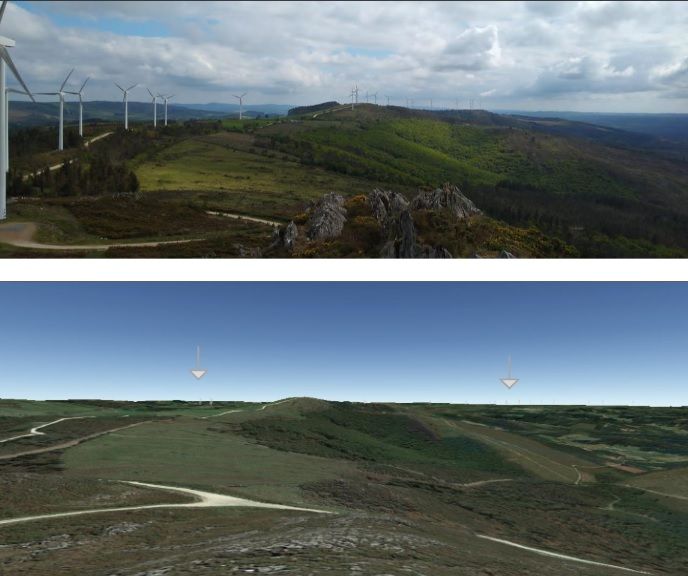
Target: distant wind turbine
353	93
81	106
125	99
375	98
155	108
241	103
6	60
387	100
61	93
165	98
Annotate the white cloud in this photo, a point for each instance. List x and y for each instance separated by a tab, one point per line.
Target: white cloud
522	54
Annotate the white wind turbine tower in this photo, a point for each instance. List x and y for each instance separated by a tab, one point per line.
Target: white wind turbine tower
5	59
353	93
241	103
61	93
165	98
387	100
155	108
125	99
81	106
375	98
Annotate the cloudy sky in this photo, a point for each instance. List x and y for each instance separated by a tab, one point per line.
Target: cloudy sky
588	56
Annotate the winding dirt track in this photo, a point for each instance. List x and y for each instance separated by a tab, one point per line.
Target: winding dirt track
20	234
69	443
561	556
35	431
203	500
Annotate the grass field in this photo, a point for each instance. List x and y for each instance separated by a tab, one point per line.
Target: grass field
411	484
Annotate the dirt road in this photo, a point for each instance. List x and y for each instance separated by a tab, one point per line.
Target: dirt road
20	234
272	223
203	500
67	444
35	431
560	556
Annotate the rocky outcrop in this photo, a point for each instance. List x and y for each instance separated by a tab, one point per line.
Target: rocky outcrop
449	197
326	217
404	243
386	205
284	237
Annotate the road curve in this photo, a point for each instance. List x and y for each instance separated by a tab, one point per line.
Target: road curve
35	431
68	443
560	556
203	500
20	234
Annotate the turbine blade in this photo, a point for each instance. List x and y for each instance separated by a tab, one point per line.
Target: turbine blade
170	96
244	94
130	87
5	55
2	10
67	78
118	86
150	92
84	84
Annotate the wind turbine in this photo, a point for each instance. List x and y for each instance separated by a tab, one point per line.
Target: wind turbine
81	106
375	97
165	98
5	59
241	103
155	108
387	100
125	99
61	93
353	93
509	382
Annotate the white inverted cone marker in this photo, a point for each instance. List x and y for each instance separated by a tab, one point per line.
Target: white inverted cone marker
198	372
509	382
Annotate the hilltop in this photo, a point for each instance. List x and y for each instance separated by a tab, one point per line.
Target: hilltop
544	187
445	489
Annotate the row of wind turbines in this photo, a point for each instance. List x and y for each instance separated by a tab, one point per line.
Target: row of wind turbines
80	93
410	102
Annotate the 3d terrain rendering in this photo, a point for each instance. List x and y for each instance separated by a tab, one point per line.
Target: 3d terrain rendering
405	442
424	130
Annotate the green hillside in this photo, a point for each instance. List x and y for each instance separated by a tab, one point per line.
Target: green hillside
418	486
544	191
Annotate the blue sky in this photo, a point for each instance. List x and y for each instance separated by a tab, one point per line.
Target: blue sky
439	342
586	56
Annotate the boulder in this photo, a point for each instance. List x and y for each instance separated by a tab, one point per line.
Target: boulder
449	197
326	217
285	236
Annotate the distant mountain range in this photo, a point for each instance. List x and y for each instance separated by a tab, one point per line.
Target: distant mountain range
669	126
24	113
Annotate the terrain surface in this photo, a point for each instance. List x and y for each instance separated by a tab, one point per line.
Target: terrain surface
544	187
306	486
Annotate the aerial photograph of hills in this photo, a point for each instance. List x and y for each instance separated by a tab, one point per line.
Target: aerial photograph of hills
344	130
371	433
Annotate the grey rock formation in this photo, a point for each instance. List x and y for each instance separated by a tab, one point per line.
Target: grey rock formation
285	236
404	243
327	217
448	197
386	205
